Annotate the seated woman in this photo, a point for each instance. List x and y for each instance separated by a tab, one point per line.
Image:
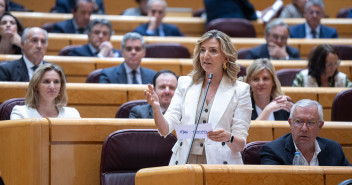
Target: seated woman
46	96
10	34
268	100
322	70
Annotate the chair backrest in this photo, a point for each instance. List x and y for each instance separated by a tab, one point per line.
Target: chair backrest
242	72
286	76
67	49
49	27
341	106
343	12
250	153
7	106
125	109
242	53
94	76
233	27
167	50
124	152
345	51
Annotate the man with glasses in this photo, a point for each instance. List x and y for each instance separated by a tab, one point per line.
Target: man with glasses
99	45
314	12
276	35
306	121
130	71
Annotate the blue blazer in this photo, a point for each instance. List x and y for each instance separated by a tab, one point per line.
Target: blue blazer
281	152
299	31
117	75
169	30
64	27
15	70
142	111
85	51
64	6
263	52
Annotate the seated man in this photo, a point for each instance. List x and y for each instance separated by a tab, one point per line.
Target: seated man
155	27
313	12
306	121
276	35
164	83
65	6
130	71
99	34
81	11
141	10
34	42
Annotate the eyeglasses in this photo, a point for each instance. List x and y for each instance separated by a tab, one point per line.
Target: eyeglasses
309	124
277	37
332	64
318	13
137	49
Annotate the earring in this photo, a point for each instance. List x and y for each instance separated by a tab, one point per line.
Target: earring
224	66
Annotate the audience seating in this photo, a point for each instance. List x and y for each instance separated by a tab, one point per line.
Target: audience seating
67	49
7	106
124	152
286	76
94	77
242	53
233	27
49	27
343	13
341	106
345	51
166	50
250	153
242	72
125	109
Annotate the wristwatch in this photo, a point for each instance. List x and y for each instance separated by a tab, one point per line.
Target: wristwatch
231	139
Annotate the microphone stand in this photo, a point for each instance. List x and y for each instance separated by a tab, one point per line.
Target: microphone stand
201	109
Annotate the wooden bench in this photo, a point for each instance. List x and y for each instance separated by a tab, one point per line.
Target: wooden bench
68	151
189	26
107	98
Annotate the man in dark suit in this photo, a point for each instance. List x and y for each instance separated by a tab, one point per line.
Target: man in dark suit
155	27
306	121
130	71
165	84
65	6
81	11
276	35
99	45
34	42
313	12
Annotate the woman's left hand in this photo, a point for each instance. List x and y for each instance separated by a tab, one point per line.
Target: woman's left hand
219	135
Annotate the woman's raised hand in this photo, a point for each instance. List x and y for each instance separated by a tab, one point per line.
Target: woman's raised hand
151	97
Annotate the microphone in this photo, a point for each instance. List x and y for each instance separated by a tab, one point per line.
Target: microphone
201	109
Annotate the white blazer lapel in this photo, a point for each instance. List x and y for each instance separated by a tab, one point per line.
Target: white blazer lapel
191	102
221	101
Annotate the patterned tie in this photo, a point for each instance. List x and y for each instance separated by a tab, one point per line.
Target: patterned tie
134	77
314	34
34	68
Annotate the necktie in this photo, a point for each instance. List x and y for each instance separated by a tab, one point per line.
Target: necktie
314	34
134	78
34	68
80	30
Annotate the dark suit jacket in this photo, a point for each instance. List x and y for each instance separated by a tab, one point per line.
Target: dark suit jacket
262	52
15	70
64	6
299	31
229	9
64	27
85	51
278	115
117	75
142	111
281	152
169	30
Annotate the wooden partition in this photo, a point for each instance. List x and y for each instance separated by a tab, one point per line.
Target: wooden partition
242	174
68	151
103	100
189	26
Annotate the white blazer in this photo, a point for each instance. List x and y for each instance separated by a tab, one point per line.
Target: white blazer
231	110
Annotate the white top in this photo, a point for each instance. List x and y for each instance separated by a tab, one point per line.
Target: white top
314	161
23	111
